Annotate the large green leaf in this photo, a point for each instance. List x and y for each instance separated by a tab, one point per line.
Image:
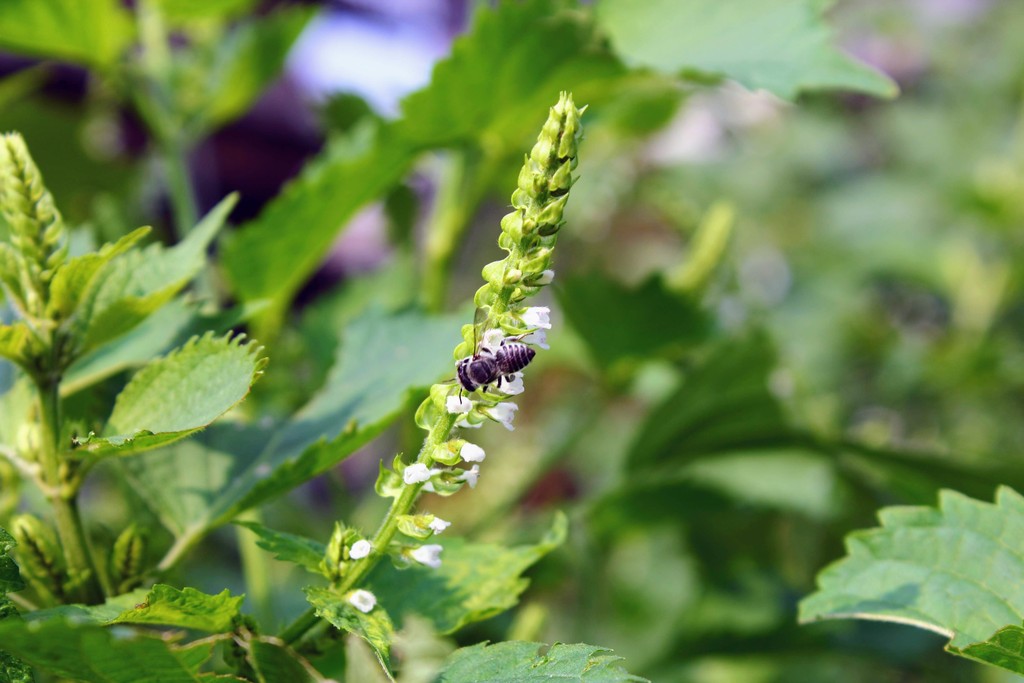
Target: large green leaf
474	581
505	71
131	287
520	662
955	570
207	481
619	323
779	45
93	32
162	605
248	60
725	403
98	654
286	547
179	394
271	257
185	608
374	627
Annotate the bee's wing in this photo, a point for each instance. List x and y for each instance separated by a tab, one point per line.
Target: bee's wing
479	318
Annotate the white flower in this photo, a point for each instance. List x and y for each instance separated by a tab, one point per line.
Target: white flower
470	452
492	338
360	549
437	525
503	413
364	601
458	404
471	476
545	278
429	555
539	338
511	388
417	473
537	316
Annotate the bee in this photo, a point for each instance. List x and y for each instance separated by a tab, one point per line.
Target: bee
488	366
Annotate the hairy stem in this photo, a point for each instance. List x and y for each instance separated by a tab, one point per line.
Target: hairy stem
64	499
401	505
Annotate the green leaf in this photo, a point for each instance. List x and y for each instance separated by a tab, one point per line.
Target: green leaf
179	394
375	627
1004	649
504	72
275	662
74	278
12	669
248	60
93	33
618	323
286	547
178	11
15	343
10	577
474	581
520	662
207	481
98	654
133	286
954	570
186	608
724	404
271	257
782	46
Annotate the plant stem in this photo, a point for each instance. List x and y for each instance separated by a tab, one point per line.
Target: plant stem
62	498
255	570
401	505
179	186
459	193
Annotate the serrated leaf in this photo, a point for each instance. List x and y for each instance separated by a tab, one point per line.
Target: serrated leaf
954	570
207	481
73	279
619	323
94	32
286	547
185	608
474	581
133	286
275	662
270	257
179	394
98	654
521	662
782	46
374	627
506	68
248	60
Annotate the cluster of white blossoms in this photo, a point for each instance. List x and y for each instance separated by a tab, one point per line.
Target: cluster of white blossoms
494	349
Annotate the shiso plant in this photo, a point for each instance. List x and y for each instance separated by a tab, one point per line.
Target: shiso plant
86	609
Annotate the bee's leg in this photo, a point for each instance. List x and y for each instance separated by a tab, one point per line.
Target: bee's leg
499	382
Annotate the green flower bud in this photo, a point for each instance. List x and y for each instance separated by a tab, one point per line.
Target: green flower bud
127	559
40	558
37	230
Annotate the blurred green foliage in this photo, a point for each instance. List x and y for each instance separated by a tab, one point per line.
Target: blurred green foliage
854	341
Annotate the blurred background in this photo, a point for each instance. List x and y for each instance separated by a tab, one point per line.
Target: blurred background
771	317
